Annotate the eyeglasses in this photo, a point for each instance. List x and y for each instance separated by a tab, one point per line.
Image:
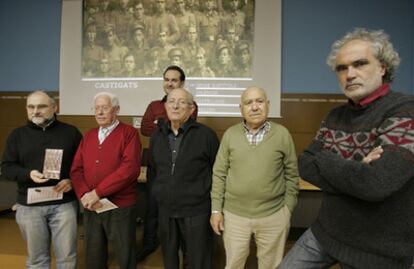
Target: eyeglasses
104	109
179	103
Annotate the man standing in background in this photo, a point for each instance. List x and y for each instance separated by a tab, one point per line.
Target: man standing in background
174	77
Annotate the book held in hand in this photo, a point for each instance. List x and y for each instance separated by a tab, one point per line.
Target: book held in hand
52	163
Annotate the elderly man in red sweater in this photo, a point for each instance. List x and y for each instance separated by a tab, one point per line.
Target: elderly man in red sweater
104	172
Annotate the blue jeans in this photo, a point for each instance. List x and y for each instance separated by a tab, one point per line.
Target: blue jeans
40	225
307	253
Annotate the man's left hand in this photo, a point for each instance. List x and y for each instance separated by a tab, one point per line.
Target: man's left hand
64	185
375	154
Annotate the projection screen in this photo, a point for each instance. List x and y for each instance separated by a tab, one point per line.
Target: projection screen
217	95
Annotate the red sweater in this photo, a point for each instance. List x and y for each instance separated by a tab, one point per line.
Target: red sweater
111	168
155	111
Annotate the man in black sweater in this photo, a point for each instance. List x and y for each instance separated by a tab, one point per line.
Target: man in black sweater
182	154
53	219
362	158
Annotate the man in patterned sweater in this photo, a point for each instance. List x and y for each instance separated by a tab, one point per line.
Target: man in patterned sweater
362	159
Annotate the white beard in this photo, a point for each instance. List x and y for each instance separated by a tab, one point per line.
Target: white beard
38	120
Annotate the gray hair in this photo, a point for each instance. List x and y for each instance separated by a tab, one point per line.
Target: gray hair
190	97
51	99
253	88
381	45
113	97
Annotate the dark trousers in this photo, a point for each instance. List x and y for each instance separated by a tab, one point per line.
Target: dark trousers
196	235
115	226
151	217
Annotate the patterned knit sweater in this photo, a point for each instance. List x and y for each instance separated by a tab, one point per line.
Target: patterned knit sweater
367	215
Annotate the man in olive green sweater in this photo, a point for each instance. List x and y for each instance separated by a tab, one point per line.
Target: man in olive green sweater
255	185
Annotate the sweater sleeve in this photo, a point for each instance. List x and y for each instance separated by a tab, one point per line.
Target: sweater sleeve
152	173
147	125
77	172
379	179
308	169
220	171
127	172
151	167
291	174
10	164
214	144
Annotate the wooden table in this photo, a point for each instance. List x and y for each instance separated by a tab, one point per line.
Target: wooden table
303	185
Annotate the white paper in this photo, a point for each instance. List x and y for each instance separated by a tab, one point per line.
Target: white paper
42	194
106	205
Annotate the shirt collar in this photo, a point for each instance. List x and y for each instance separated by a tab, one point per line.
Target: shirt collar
110	127
183	126
381	91
266	124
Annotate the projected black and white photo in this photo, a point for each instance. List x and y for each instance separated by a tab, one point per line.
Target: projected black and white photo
124	46
140	38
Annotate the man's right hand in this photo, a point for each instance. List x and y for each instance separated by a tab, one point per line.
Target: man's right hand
37	177
90	200
217	222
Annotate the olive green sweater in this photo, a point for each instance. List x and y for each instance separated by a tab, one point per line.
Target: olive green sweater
255	181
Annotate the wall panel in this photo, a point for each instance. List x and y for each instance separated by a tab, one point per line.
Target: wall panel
301	114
